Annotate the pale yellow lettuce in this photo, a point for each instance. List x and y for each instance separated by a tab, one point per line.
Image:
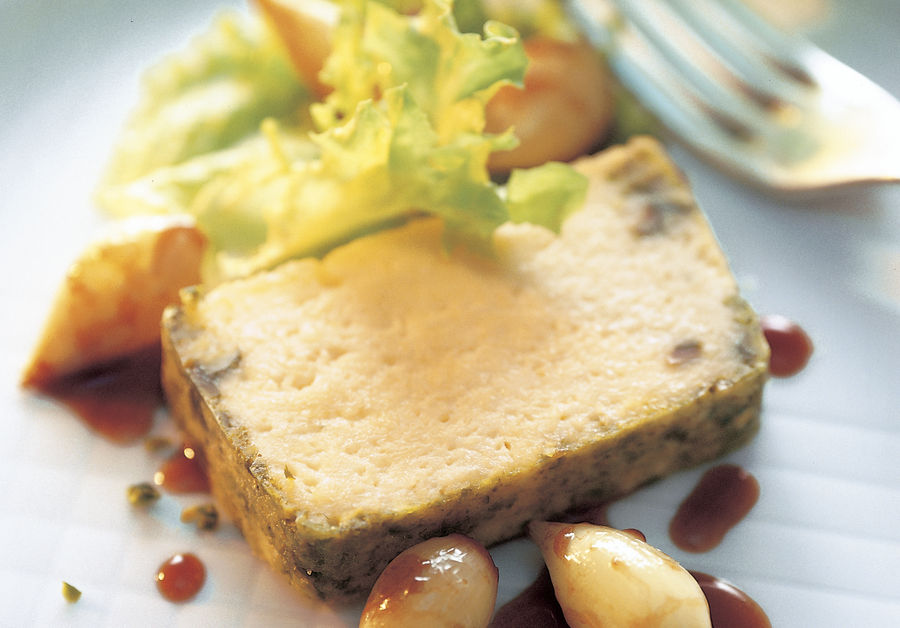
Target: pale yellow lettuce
401	134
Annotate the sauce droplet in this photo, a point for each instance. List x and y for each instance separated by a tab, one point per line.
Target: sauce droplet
729	607
184	472
790	346
181	577
722	497
117	400
535	607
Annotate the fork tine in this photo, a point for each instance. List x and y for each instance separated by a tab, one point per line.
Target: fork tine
659	57
679	47
785	54
766	67
798	121
731	70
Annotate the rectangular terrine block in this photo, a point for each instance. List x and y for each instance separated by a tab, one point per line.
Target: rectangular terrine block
352	406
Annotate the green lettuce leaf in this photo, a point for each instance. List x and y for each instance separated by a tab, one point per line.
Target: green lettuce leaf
227	191
545	195
450	75
400	135
209	96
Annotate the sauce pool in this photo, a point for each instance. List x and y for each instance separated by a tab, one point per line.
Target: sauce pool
181	577
118	400
183	472
535	607
729	607
722	497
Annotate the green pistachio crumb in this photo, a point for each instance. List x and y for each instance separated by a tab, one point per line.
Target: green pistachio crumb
156	444
142	494
205	516
70	593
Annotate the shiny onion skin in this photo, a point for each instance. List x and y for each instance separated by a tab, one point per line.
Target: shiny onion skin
608	577
444	581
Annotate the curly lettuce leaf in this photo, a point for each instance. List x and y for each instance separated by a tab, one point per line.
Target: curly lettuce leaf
227	191
386	164
413	141
449	74
206	97
401	134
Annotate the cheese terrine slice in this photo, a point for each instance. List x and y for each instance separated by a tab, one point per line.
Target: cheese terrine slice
352	406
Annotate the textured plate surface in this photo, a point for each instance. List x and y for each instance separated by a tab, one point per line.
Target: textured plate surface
820	548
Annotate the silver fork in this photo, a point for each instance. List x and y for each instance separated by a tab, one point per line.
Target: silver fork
774	110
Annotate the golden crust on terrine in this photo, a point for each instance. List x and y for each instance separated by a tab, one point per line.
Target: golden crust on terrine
352	406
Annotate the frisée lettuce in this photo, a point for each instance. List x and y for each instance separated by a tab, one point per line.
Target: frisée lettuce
401	134
209	96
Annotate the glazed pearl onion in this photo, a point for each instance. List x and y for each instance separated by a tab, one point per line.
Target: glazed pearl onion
606	577
444	581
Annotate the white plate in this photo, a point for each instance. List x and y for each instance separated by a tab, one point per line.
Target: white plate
821	547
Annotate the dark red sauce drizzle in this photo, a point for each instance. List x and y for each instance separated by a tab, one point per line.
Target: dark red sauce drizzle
184	472
118	400
729	607
790	346
535	607
181	577
722	497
